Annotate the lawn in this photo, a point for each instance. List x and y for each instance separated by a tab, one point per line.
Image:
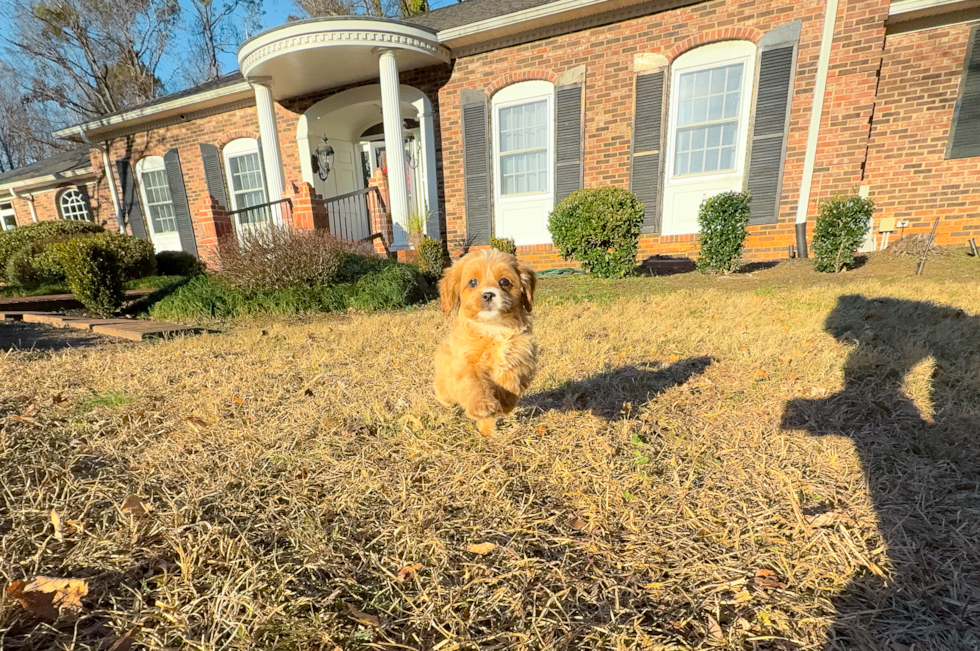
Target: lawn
774	461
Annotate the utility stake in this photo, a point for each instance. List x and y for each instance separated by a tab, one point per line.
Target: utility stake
925	254
973	247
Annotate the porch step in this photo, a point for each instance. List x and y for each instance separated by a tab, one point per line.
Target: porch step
134	330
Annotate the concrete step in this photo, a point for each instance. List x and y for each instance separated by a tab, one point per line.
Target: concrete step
132	329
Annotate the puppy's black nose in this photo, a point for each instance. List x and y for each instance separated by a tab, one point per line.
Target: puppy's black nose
488	297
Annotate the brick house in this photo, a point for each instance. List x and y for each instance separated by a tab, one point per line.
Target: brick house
496	109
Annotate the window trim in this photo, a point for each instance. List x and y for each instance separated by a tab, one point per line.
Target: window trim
234	149
154	164
526	92
6	211
82	201
707	57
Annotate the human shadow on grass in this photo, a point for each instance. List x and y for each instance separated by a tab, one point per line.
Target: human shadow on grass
612	395
922	469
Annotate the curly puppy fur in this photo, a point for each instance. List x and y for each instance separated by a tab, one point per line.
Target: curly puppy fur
489	358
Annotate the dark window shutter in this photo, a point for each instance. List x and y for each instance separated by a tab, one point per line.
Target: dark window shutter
568	148
212	174
645	175
476	166
964	137
182	211
131	209
767	150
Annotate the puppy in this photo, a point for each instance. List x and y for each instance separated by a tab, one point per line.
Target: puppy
489	357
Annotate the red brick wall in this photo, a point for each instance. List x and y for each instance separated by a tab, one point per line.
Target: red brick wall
907	170
607	52
46	204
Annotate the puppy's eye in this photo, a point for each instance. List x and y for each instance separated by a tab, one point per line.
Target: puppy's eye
473	282
504	283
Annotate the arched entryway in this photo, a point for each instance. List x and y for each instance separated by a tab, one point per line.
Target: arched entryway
351	123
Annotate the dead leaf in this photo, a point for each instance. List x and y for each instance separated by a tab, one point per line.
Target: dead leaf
311	336
24	419
829	519
577	524
125	643
240	401
362	617
742	596
793	377
197	424
743	624
482	548
540	430
264	333
674	358
767	579
809	342
58	399
761	375
714	630
408	571
47	596
308	393
359	430
133	505
56	523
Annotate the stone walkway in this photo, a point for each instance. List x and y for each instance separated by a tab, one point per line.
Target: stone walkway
132	329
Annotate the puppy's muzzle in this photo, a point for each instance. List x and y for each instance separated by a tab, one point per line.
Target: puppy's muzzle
491	299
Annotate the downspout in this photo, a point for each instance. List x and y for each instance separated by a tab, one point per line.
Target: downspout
30	202
109	179
813	133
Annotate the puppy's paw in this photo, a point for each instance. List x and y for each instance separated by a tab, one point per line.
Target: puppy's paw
487	426
483	408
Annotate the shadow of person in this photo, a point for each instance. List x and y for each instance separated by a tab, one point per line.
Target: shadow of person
922	468
610	395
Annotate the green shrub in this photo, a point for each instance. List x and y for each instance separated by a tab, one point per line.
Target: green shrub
178	263
137	258
432	257
599	227
34	265
352	266
724	222
92	272
13	240
384	284
841	228
504	244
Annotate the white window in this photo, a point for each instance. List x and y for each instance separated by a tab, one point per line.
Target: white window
8	221
710	95
73	205
707	119
246	182
158	204
523	128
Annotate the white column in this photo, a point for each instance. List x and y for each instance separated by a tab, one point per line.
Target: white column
428	168
266	110
394	146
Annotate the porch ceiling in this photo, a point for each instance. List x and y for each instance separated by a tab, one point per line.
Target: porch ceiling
307	56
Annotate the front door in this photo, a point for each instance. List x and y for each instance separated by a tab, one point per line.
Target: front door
523	162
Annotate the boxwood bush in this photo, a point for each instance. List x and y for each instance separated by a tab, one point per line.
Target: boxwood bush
432	257
14	240
504	244
724	222
178	263
92	272
137	258
841	228
599	227
37	263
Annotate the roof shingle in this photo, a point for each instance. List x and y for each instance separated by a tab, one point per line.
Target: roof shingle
62	163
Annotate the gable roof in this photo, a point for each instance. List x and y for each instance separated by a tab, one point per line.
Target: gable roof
472	11
66	164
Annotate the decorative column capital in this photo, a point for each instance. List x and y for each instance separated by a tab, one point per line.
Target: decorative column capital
382	51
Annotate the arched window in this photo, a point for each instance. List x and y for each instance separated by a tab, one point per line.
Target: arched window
73	205
246	182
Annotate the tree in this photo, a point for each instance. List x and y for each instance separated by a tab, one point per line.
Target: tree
216	29
25	132
86	58
384	8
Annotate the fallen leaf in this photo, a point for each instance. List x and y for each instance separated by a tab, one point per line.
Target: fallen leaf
197	424
793	377
761	375
58	399
767	579
240	401
125	643
408	571
47	596
577	524
829	519
540	430
264	333
743	595
362	430
714	630
56	523
809	342
25	419
308	393
674	358
133	505
362	617
743	624
482	548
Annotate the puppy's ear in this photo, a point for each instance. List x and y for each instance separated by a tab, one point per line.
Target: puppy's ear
529	280
449	288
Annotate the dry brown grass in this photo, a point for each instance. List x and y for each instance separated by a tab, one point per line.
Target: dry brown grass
633	498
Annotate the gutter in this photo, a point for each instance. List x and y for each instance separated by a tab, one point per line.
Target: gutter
110	179
28	198
813	132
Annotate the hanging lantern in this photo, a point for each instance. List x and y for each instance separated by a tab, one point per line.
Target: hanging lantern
323	160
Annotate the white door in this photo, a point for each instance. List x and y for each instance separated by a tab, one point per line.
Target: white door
708	129
158	204
523	162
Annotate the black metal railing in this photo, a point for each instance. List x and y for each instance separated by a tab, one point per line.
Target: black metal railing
350	214
260	214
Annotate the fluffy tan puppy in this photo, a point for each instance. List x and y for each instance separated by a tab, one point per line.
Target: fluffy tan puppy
489	357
